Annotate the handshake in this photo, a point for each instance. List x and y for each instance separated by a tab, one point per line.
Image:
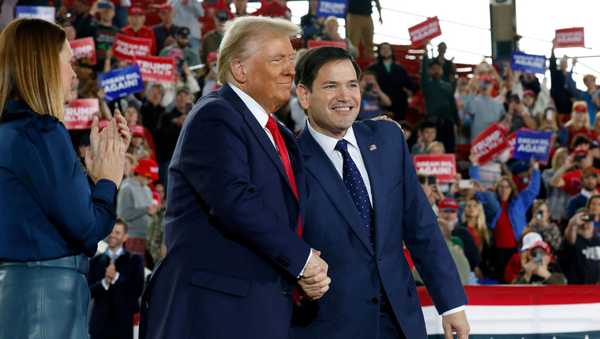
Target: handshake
314	281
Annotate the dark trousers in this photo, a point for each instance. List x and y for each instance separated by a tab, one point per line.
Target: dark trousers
446	135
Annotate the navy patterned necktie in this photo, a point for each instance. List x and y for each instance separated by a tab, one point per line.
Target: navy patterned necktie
355	185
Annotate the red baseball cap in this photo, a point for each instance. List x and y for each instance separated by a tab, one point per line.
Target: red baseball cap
448	203
136	11
147	168
137	130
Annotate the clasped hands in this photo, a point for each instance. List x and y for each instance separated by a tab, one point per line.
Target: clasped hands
315	281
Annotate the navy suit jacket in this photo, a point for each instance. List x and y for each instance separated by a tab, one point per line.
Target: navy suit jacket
233	254
402	214
113	310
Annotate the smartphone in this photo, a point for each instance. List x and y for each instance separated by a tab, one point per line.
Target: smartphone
431	180
539	215
464	184
538	256
588	217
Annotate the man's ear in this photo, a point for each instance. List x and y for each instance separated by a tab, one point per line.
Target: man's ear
238	71
303	95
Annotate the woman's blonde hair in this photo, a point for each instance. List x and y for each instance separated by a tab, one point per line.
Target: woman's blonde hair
30	65
245	32
582	104
560	152
480	226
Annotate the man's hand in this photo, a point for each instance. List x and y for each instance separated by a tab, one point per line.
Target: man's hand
315	281
111	273
456	322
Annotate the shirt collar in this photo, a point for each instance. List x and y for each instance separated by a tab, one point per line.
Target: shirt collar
119	252
255	108
328	143
586	193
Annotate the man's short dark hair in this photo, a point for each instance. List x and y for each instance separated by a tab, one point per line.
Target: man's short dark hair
124	224
311	62
427	124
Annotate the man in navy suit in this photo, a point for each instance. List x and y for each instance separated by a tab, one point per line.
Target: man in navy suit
234	203
364	201
116	280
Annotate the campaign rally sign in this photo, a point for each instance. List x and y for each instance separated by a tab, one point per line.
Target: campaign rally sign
336	8
121	82
79	113
442	166
489	143
569	37
321	43
127	48
159	69
84	49
528	63
426	30
532	144
39	12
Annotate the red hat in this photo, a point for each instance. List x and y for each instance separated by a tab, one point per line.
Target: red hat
212	56
155	198
448	203
580	107
163	7
528	93
136	11
147	168
137	130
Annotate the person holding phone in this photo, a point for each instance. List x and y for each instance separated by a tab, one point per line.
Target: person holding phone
537	263
541	223
580	256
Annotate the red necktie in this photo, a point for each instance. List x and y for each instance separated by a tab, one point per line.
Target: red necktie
287	167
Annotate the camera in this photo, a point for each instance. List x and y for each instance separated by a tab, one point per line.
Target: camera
369	87
431	180
588	217
539	215
538	256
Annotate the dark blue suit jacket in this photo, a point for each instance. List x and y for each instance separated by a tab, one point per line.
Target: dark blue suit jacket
233	254
402	215
113	310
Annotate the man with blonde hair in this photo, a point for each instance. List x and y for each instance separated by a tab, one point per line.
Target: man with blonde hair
235	201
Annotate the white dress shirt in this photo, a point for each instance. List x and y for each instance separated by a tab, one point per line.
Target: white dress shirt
262	117
328	143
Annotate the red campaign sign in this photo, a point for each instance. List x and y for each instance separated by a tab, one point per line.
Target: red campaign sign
424	31
159	69
570	37
321	43
79	113
443	166
127	48
489	143
84	49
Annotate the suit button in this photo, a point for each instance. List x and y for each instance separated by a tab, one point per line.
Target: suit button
374	300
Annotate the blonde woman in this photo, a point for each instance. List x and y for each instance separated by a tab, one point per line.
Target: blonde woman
473	219
52	217
578	124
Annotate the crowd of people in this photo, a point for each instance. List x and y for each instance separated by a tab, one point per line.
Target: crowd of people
505	221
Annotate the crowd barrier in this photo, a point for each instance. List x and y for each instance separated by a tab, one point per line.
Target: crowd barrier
525	312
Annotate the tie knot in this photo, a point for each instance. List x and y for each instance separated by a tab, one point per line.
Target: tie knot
272	124
342	146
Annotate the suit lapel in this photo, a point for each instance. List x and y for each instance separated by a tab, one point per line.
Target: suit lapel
228	93
370	149
317	162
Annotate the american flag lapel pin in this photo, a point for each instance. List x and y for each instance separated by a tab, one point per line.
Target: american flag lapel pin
372	147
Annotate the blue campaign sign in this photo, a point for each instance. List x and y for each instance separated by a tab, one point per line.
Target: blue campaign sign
39	12
327	8
532	144
528	63
121	82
